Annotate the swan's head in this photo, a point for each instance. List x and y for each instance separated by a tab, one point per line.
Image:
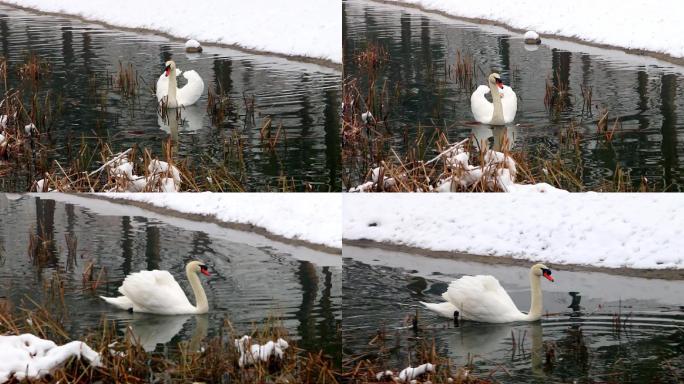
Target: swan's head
495	79
540	270
197	267
170	66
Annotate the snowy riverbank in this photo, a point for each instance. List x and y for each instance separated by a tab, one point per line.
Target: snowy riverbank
315	218
602	230
638	25
311	28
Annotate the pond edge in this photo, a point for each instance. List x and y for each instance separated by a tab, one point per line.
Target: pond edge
213	220
632	51
663	274
300	58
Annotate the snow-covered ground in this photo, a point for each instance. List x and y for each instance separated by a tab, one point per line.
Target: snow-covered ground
303	28
29	357
316	218
636	24
603	230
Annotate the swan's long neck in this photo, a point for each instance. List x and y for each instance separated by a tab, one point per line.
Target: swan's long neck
535	312
497	116
201	303
173	87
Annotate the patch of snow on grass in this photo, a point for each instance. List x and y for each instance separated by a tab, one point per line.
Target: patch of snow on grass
30	357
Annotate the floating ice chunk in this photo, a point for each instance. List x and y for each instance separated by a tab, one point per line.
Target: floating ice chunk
532	37
193	46
29	357
411	373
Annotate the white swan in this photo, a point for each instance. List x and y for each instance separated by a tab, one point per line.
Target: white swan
503	106
178	97
158	292
481	298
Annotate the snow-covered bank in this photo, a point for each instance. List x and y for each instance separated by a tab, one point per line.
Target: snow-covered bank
316	218
603	230
310	28
639	24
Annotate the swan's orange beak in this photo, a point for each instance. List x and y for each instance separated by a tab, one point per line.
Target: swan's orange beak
548	276
499	83
205	272
167	70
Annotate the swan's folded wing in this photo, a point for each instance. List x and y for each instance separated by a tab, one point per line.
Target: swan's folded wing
509	104
153	291
192	91
481	298
481	107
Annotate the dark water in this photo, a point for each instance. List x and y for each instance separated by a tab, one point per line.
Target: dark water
251	279
646	94
82	57
386	287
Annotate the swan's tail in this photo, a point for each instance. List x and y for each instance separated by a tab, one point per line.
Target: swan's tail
445	309
121	302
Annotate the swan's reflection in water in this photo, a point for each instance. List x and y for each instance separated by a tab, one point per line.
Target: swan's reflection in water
150	330
187	119
193	56
504	135
525	343
481	339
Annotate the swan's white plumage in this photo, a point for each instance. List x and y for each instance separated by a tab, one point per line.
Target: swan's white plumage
152	292
481	298
483	109
186	95
445	309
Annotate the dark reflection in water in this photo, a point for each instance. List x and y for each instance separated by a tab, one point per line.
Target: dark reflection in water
644	93
248	284
572	346
83	57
